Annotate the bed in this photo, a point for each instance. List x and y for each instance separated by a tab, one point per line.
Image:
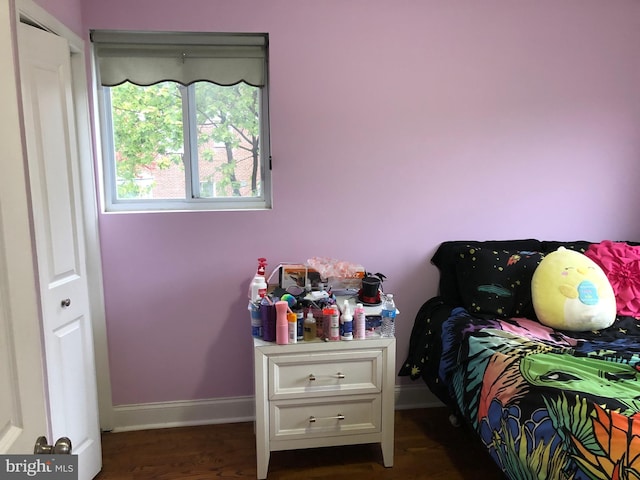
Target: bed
544	402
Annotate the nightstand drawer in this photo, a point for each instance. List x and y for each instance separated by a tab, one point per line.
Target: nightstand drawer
323	394
325	417
323	374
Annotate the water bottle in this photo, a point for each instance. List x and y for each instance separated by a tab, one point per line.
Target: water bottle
388	328
256	320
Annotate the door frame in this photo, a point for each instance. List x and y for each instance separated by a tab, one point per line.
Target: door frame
29	12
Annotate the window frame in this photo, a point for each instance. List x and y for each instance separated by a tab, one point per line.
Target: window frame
110	202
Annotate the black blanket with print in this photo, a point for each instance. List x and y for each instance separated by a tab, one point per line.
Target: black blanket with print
545	403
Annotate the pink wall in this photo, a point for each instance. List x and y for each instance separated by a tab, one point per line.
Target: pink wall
395	126
68	12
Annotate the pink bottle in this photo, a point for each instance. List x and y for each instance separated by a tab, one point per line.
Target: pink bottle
282	324
359	320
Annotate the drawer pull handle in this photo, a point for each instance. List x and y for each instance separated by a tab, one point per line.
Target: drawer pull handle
313	419
338	375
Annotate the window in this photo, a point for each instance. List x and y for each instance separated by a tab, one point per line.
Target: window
184	120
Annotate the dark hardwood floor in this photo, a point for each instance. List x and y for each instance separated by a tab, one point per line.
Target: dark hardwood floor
426	447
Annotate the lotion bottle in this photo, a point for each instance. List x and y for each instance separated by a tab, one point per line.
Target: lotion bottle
346	322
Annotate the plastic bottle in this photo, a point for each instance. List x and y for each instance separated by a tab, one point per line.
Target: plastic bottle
334	323
256	320
326	323
282	324
299	323
292	320
388	328
309	327
360	320
258	288
346	322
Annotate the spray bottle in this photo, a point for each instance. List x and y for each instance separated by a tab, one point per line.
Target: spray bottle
282	323
258	286
262	265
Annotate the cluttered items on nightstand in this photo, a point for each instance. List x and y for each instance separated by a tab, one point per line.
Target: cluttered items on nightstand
323	299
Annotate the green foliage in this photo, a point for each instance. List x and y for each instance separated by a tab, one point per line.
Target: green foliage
148	132
229	116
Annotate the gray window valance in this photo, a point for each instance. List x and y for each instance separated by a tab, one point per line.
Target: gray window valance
145	58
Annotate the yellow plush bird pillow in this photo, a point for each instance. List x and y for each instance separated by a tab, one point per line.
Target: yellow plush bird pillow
571	292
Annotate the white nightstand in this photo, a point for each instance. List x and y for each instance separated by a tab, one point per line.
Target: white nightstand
319	394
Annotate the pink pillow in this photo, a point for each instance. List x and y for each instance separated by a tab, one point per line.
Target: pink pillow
621	264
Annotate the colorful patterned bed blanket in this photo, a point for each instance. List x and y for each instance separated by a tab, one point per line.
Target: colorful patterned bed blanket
547	404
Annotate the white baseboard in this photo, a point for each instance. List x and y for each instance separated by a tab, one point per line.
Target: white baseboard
146	416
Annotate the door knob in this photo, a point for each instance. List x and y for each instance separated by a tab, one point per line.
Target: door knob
61	447
65	303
